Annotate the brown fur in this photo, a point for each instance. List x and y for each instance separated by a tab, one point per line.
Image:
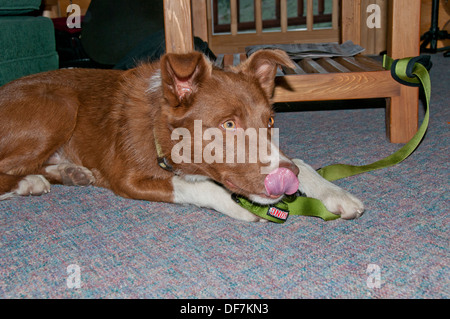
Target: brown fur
104	120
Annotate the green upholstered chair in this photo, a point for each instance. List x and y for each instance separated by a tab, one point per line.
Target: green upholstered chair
27	42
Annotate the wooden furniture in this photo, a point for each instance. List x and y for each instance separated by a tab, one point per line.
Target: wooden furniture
325	79
57	8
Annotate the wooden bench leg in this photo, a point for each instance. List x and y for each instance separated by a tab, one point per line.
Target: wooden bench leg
178	26
402	115
404	41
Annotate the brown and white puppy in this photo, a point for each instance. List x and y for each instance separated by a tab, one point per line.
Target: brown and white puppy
119	129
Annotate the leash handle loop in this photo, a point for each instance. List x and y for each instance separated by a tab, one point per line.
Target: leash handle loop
406	71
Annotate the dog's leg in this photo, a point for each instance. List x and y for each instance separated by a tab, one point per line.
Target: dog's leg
69	174
33	185
205	193
335	199
199	192
37	119
23	185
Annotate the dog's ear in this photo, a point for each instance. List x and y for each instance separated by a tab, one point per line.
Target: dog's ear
263	65
182	75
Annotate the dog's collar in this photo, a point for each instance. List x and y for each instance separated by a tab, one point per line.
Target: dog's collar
162	160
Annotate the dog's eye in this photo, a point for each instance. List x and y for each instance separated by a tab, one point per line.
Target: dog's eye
229	125
271	121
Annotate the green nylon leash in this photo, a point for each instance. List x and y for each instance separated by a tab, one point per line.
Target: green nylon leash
408	71
401	67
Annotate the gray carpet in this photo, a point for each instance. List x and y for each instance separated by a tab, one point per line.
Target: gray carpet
135	249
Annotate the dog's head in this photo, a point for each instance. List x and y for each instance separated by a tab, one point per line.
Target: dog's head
221	123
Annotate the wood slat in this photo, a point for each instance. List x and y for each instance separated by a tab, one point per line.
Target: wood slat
374	39
225	43
283	15
209	19
200	21
369	63
351	21
243	57
279	71
288	71
258	17
308	65
367	34
309	15
311	66
234	17
332	66
228	60
236	59
219	61
335	15
335	86
296	70
351	64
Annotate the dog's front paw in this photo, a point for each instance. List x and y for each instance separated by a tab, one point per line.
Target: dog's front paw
33	185
341	202
73	175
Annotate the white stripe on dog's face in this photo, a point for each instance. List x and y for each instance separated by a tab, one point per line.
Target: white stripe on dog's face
275	158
